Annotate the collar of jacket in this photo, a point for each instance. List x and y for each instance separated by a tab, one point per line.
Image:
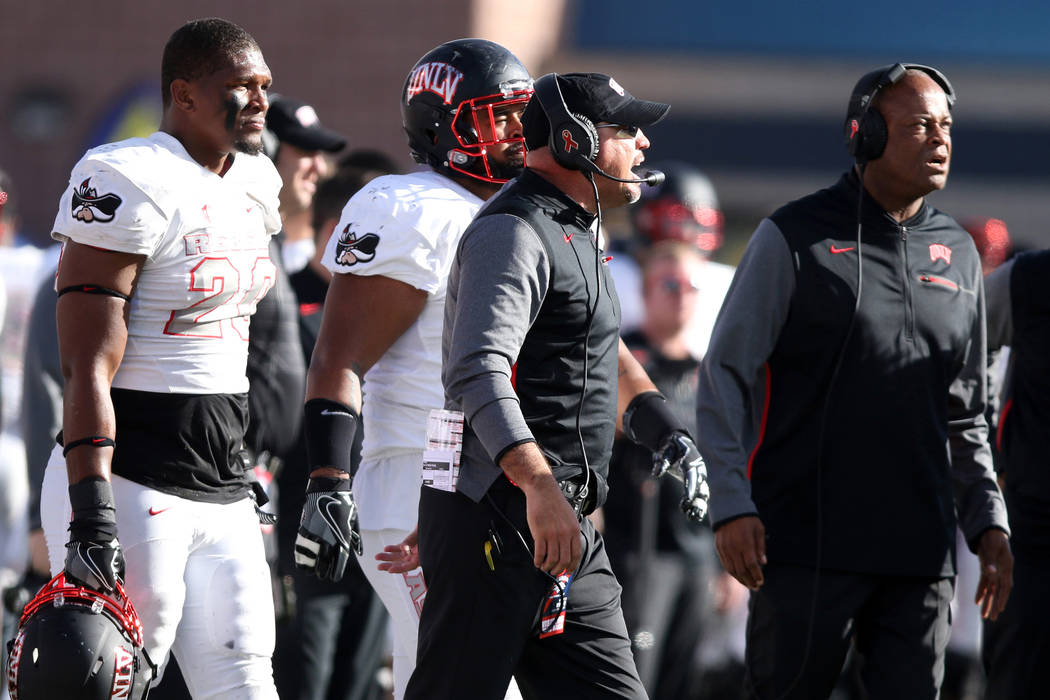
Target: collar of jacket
873	215
558	205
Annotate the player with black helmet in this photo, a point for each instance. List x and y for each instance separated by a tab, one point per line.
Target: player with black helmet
450	102
461	106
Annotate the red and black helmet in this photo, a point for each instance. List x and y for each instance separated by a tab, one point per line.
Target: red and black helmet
74	642
450	94
683	208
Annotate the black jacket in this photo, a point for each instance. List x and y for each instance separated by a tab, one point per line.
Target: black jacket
531	336
1025	412
898	430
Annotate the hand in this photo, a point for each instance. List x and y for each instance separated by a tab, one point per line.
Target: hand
741	546
728	593
96	565
401	558
679	457
38	561
997	573
328	529
554	527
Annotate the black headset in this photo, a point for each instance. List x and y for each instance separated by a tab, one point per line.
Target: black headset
573	138
865	127
866	136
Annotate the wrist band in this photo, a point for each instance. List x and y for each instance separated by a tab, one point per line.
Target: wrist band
327	483
93	441
329	427
648	420
94	512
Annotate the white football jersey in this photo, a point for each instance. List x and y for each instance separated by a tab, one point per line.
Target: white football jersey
405	227
207	264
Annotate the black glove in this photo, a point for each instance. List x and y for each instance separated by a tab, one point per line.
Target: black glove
679	457
93	555
97	565
328	529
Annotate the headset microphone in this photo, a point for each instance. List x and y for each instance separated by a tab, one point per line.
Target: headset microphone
653	178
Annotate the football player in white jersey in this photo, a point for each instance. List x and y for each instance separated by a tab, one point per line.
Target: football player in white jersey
390	255
165	256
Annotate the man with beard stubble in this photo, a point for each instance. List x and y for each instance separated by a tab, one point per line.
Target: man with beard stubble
390	255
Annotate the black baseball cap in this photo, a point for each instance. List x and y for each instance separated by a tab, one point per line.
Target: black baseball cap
599	98
295	122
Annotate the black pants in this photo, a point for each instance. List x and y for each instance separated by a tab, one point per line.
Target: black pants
1016	650
899	626
340	629
479	624
667	607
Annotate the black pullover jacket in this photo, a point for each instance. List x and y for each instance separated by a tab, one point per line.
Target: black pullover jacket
884	450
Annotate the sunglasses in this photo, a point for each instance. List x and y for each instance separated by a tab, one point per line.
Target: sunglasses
673	285
622	132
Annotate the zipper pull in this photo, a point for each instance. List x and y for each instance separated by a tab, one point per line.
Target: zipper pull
904	233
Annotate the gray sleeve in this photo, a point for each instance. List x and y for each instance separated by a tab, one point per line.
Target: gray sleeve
978	500
731	393
42	386
999	306
502	272
276	369
1000	335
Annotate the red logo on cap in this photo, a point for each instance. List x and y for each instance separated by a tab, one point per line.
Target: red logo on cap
852	128
570	145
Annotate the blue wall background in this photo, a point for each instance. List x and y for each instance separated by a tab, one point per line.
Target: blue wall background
972	30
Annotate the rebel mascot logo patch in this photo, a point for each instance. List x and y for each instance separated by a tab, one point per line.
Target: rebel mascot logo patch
350	250
89	205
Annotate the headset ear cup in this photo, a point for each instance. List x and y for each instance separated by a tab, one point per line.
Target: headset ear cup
573	139
592	137
574	143
853	136
589	143
873	136
564	142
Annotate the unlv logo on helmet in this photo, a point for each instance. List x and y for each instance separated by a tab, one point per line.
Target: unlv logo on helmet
13	658
123	673
452	98
75	642
438	78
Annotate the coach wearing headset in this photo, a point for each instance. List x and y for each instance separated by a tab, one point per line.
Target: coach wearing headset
518	580
841	408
